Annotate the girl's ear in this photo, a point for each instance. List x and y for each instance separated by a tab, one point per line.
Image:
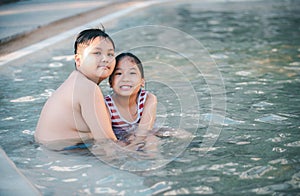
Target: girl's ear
77	60
143	82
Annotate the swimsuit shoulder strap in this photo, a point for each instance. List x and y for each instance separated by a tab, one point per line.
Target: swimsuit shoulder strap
141	101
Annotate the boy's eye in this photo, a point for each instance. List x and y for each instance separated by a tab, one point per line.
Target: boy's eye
97	53
111	54
133	73
118	73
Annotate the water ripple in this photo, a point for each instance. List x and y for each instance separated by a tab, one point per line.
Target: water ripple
271	119
268	190
295	64
69	169
261	105
46	78
295	181
28	132
105	190
108	179
65	57
281	161
43	165
256	172
157	188
7	118
47	93
24	99
55	64
196	190
243	73
222	166
70	180
219	119
202	190
219	56
293	144
278	149
292	68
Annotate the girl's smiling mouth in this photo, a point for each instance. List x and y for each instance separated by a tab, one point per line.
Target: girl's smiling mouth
125	87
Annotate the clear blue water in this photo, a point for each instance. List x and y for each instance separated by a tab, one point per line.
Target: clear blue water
243	110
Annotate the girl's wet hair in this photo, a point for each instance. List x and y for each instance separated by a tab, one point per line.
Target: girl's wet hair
134	58
88	35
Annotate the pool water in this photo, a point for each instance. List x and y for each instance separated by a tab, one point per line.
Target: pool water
226	72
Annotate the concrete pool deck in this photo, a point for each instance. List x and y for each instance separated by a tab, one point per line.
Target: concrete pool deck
45	35
26	22
23	17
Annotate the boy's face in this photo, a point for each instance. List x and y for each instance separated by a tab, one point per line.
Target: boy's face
127	79
96	60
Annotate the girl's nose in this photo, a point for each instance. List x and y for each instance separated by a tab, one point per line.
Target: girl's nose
125	78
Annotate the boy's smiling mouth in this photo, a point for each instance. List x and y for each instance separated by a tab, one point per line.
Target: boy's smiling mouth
104	66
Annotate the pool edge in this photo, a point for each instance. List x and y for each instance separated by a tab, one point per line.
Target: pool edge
12	181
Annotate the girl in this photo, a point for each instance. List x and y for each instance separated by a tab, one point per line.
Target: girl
132	109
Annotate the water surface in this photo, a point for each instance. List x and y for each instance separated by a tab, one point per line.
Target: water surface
255	134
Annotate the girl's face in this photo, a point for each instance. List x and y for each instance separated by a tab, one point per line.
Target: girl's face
127	79
97	60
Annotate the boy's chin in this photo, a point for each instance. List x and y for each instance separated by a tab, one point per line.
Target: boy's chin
105	74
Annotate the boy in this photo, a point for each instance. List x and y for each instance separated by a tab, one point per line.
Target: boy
76	111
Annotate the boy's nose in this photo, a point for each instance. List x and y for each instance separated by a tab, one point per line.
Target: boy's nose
104	58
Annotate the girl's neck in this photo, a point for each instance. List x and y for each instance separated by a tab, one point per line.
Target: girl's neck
125	101
127	106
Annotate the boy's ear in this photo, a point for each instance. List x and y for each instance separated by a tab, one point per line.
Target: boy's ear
77	60
110	83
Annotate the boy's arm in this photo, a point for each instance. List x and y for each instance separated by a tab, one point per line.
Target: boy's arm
95	114
149	115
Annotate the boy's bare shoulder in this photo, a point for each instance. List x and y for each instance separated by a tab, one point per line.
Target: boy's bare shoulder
83	82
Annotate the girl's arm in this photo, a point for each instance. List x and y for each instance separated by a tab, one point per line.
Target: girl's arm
149	115
142	140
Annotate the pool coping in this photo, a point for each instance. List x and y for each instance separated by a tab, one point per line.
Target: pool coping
65	28
12	181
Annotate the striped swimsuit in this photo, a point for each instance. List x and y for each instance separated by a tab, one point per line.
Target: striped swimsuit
122	128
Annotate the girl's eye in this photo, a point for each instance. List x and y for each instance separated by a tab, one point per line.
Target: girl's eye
111	54
132	73
118	73
97	53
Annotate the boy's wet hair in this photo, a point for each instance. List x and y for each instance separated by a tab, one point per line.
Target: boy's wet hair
88	35
132	57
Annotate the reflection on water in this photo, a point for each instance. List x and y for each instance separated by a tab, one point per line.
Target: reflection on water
256	46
